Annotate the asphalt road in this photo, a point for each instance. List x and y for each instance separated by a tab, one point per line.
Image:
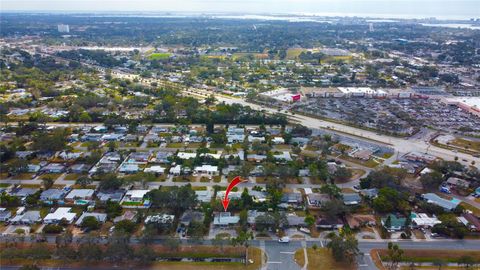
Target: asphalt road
280	256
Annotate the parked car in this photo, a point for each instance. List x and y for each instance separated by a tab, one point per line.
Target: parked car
284	239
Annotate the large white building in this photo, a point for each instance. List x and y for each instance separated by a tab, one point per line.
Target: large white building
63	28
468	104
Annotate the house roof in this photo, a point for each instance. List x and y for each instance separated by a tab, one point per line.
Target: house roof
59	214
23	192
115	195
27	217
292	197
204	195
206	168
225	218
80	193
155	169
137	193
101	217
52	194
189	216
351	198
437	200
294	220
423	219
395	221
472	220
357	220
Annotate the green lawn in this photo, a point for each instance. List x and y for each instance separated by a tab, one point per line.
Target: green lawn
157	56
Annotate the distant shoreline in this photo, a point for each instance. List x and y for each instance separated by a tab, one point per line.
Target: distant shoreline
292	17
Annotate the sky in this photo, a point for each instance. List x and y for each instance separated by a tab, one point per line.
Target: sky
450	9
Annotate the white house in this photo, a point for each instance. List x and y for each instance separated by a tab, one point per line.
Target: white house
177	170
278	140
155	169
206	170
62	213
135	195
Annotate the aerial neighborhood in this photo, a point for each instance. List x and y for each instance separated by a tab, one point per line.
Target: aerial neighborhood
207	141
299	183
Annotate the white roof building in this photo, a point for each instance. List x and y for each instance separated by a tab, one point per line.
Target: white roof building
62	213
206	169
177	170
135	195
155	169
423	220
186	155
204	195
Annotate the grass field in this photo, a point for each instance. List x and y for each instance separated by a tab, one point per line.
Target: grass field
293	53
255	254
239	55
320	259
470	207
417	255
158	56
462	143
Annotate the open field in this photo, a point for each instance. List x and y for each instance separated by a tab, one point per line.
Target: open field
239	55
255	254
157	56
420	255
320	259
293	53
467	144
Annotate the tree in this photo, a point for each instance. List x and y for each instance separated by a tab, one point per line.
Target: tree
84	181
196	230
47	181
334	209
246	199
309	220
90	223
466	261
344	247
109	181
111	146
177	199
17	166
431	181
439	262
395	255
342	174
243	239
172	244
50	142
52	228
126	226
113	209
332	190
118	248
85	117
220	241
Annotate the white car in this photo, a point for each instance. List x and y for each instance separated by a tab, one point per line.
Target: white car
284	239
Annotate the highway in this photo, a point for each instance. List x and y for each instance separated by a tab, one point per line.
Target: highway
401	145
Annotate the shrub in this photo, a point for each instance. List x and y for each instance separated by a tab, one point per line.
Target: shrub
52	228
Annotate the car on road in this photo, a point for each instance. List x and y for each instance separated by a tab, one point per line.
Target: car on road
284	239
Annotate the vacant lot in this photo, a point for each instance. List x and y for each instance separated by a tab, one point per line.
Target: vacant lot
419	255
319	259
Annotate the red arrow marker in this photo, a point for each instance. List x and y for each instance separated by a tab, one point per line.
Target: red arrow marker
226	200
